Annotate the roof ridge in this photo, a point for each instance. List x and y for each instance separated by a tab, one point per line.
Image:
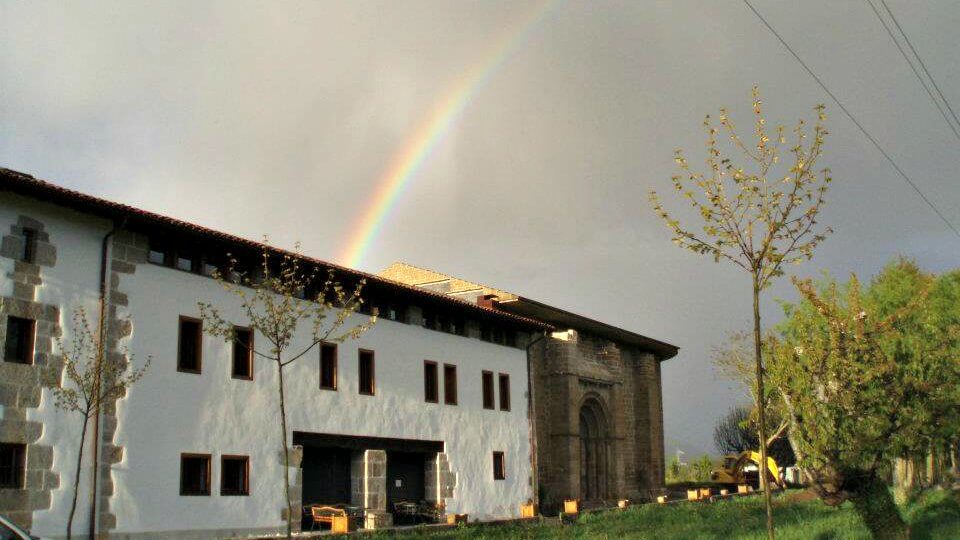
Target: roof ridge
9	178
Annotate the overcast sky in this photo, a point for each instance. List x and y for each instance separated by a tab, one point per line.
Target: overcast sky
280	118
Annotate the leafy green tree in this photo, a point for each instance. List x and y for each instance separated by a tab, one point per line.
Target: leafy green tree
93	382
282	297
861	387
758	219
736	432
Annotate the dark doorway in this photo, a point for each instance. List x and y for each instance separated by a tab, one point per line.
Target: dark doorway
405	477
594	452
326	475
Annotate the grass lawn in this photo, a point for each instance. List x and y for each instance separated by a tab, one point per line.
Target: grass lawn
933	515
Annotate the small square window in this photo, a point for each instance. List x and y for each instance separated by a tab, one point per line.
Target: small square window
18	344
194	474
158	255
328	366
234	475
499	466
450	384
188	354
242	353
366	372
430	388
13	459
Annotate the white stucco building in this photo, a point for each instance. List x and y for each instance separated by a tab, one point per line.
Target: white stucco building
419	408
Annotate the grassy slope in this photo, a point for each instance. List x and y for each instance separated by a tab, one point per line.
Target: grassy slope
935	515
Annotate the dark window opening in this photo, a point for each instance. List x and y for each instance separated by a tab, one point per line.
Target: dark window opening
450	384
194	474
188	355
366	372
504	392
485	333
242	353
29	246
497	336
159	254
187	263
429	320
234	475
430	387
488	399
499	466
209	268
13	459
18	346
328	366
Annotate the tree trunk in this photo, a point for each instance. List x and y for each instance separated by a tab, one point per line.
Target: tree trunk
954	471
875	506
76	478
286	451
761	409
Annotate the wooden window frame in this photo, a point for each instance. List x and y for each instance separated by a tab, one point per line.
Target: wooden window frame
245	490
336	362
447	400
199	345
20	468
233	351
209	458
499	472
373	372
493	391
429	364
504	400
30	239
31	339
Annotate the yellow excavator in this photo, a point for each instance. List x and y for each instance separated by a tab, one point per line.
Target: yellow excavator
732	470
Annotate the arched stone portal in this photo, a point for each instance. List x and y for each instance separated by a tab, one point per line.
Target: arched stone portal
594	452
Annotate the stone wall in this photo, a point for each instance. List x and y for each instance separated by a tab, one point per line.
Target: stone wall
625	385
21	384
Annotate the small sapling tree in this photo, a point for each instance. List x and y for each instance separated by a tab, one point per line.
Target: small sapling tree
759	217
284	296
94	379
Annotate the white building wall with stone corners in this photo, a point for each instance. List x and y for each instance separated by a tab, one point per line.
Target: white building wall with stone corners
169	413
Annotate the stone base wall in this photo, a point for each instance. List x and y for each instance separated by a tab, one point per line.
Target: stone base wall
21	384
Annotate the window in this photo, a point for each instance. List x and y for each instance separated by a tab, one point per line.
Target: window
488	399
504	392
194	474
242	353
159	255
12	465
234	475
328	366
366	372
187	263
188	353
430	389
499	466
450	384
29	246
18	346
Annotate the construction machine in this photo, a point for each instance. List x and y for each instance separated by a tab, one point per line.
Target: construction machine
735	470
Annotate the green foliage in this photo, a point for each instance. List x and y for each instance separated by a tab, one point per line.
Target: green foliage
698	471
760	215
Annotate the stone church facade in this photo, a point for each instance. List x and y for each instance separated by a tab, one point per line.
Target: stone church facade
596	406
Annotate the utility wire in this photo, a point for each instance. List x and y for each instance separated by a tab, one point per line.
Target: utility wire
912	66
920	59
853	119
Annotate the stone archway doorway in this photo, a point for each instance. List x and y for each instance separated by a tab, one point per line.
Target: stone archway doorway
594	452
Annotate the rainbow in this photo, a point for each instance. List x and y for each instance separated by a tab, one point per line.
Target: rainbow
421	144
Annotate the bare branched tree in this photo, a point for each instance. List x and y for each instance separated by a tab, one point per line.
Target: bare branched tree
284	295
758	219
94	381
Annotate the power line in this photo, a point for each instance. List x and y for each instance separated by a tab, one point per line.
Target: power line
912	66
853	119
920	59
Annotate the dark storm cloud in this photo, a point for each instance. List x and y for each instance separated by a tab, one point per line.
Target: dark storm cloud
280	118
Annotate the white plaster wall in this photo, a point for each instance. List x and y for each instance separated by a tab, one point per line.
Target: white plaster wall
72	282
169	412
